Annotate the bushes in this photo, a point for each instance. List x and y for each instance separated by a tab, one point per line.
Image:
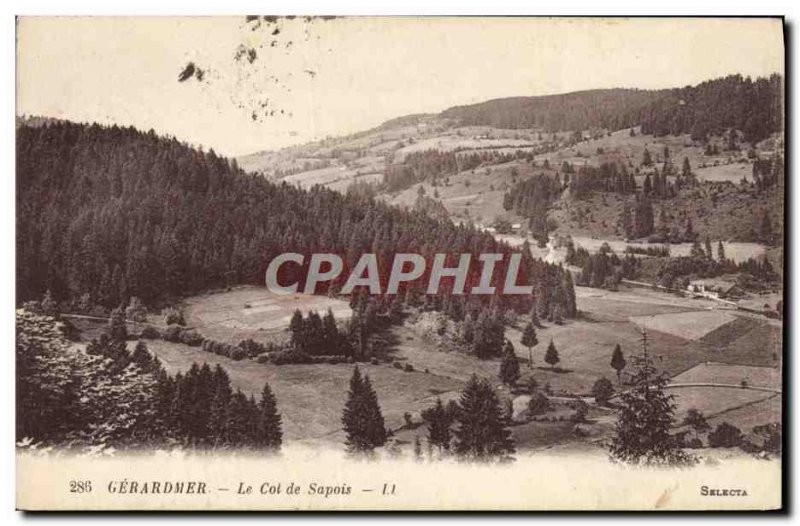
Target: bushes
177	334
725	435
150	333
538	404
288	356
252	348
191	338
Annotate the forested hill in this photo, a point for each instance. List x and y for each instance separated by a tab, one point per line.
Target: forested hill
712	107
114	213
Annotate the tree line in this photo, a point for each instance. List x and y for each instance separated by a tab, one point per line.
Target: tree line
709	108
108	213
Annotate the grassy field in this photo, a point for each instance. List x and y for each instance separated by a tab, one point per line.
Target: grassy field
311	397
714	400
253	312
686	325
724	373
763	412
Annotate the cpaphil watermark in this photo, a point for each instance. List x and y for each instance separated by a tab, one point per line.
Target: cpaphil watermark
489	273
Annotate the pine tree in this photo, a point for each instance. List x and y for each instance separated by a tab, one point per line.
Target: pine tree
297	328
141	356
686	171
618	362
361	419
439	421
481	434
647	160
222	393
646	418
468	330
117	328
529	340
720	252
708	251
551	355
269	434
765	229
509	365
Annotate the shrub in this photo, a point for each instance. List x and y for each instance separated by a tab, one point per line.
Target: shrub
538	404
237	353
191	338
263	358
151	333
725	435
172	334
252	348
173	316
408	368
374	361
397	365
290	356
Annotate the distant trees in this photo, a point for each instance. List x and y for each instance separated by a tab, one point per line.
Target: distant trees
618	362
750	105
551	355
509	365
362	419
529	340
315	336
481	433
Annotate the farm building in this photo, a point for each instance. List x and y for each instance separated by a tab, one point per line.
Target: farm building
714	288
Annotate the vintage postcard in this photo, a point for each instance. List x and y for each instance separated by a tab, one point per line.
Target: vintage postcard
399	263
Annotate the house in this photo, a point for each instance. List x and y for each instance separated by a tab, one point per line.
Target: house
714	288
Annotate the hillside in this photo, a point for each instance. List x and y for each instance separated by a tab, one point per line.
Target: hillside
464	161
105	214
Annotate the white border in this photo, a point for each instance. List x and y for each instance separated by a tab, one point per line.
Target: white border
352	7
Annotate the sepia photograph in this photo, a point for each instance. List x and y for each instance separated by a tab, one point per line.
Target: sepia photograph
399	263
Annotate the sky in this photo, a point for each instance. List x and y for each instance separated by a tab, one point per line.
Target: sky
309	79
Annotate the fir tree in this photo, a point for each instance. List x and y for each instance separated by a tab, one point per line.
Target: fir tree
647	160
269	434
141	356
509	365
708	252
646	418
117	329
481	433
529	340
551	355
618	362
361	419
720	252
439	421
